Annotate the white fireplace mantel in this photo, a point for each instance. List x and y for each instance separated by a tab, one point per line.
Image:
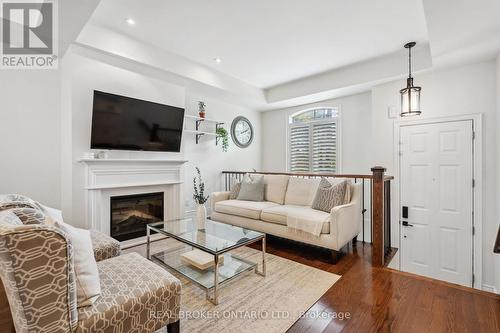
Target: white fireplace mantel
105	178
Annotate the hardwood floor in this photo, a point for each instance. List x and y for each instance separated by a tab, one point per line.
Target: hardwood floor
377	299
385	300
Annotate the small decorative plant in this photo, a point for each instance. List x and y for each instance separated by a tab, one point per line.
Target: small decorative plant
199	189
224	136
201	109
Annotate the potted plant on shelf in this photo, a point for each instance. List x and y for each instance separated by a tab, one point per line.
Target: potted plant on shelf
200	199
223	135
201	109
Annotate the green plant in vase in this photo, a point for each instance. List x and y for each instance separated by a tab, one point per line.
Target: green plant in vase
224	136
199	189
200	199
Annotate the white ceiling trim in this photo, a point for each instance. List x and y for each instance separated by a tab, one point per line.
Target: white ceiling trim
117	49
172	67
367	72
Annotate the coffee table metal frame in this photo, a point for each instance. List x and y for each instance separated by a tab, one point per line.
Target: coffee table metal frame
216	286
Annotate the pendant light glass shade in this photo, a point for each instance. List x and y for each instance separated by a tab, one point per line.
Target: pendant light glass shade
410	100
410	96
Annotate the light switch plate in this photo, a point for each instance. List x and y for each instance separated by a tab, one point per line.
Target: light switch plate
392	112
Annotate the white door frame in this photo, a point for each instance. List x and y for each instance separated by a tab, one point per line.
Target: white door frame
477	152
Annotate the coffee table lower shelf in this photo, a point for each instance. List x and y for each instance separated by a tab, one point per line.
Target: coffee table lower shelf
232	267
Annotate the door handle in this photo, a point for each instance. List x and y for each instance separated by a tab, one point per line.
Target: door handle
406	224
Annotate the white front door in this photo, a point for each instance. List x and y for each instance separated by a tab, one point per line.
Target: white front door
436	171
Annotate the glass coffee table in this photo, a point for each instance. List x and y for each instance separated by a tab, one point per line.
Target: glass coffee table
217	239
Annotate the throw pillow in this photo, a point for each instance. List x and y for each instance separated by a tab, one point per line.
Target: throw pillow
88	285
54	214
252	178
252	191
348	189
329	196
235	190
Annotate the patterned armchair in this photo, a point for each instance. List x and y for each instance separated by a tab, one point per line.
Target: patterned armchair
31	212
36	268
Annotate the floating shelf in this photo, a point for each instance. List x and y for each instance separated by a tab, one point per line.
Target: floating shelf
199	133
202	119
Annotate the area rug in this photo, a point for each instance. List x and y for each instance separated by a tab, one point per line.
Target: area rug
251	303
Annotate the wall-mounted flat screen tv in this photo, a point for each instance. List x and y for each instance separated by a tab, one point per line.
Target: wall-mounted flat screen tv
125	123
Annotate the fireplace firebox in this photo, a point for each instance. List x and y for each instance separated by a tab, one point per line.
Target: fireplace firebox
131	213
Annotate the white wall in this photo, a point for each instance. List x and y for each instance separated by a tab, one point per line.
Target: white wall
84	75
458	91
355	113
30	134
210	158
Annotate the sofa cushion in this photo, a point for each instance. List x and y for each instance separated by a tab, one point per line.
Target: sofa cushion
278	215
275	188
250	209
301	191
132	288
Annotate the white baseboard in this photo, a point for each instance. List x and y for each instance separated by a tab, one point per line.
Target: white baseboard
491	289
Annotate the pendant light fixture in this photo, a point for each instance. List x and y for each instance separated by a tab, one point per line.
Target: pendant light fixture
410	96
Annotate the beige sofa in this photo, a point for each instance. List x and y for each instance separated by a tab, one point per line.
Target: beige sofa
284	194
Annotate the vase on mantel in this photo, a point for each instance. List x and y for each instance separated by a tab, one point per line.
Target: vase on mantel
201	216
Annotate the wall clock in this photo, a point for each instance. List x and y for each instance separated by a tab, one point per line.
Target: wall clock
242	132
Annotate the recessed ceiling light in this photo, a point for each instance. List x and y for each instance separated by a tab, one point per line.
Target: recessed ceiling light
130	21
218	60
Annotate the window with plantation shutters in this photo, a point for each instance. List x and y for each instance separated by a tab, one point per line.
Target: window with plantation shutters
313	141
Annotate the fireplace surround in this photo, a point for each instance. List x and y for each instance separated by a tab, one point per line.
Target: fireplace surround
107	178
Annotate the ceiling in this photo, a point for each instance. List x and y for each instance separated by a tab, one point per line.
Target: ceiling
267	43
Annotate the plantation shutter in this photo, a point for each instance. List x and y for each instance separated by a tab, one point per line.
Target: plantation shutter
324	147
300	149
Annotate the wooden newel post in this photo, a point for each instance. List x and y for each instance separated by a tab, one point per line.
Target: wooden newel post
378	216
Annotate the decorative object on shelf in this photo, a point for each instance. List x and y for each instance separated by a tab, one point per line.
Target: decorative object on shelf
101	154
200	199
201	109
224	136
410	96
242	132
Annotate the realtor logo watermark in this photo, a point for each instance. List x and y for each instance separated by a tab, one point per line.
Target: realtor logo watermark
29	35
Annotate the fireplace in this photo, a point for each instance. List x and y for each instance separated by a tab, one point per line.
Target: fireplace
131	213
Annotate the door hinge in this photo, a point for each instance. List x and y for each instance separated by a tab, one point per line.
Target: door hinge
473	230
473	135
473	182
473	279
